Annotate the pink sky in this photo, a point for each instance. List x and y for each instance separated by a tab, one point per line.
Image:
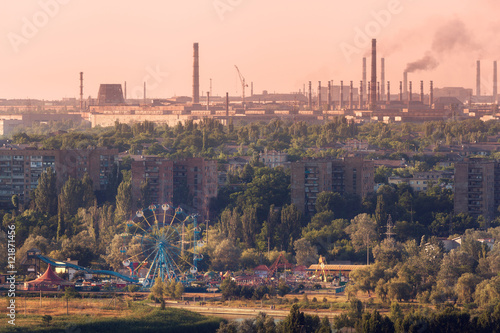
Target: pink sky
279	44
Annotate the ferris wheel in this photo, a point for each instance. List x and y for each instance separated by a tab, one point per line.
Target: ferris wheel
165	238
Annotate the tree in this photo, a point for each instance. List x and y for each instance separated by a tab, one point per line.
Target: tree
158	291
123	201
362	231
375	323
291	224
45	197
226	256
179	290
249	225
465	287
305	253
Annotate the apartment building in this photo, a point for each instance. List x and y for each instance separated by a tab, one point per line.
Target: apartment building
477	187
350	175
20	168
192	180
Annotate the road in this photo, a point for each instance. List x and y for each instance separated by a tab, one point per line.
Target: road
246	312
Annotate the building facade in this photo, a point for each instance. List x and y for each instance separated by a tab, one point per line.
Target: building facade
191	182
351	175
477	187
20	168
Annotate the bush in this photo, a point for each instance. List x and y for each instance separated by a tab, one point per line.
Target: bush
132	288
46	319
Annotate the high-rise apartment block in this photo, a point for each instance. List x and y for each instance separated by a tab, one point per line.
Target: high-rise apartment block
350	175
20	168
193	180
477	187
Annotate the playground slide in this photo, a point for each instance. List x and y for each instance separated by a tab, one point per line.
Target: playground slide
87	270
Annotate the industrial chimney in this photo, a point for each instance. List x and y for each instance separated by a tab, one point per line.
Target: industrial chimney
373	92
81	91
431	95
310	95
405	84
495	83
382	78
365	86
319	95
341	95
422	92
361	87
388	92
400	91
329	96
410	93
351	105
478	78
196	75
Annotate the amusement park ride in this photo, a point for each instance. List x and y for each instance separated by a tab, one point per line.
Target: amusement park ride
167	238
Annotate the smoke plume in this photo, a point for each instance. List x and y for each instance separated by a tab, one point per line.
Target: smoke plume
427	63
451	36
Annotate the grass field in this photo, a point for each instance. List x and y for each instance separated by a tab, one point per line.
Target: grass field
103	315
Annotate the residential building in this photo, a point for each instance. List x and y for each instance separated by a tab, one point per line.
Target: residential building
192	181
477	187
351	175
21	166
273	158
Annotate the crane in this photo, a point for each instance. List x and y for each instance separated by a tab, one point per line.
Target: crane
243	85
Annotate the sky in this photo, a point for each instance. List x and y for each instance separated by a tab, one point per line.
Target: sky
278	45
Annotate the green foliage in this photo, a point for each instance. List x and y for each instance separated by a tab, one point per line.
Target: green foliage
46	319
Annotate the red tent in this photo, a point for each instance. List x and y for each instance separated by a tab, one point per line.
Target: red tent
48	281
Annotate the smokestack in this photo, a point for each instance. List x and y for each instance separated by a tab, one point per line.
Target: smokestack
319	95
405	84
382	78
400	91
125	92
431	95
422	92
341	103
388	92
365	86
145	93
208	100
81	91
196	75
410	93
329	102
373	93
227	104
304	89
351	105
251	88
495	83
310	96
478	78
361	87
